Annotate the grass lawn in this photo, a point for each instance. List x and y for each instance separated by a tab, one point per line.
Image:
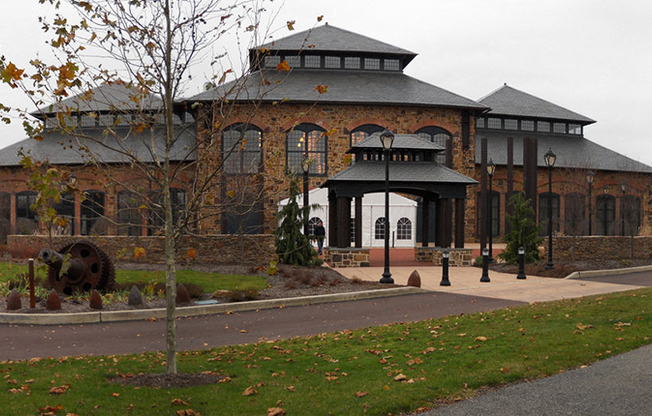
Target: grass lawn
374	371
210	282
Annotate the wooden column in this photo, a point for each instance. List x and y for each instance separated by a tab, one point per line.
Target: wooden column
343	222
459	222
425	221
440	223
332	219
358	222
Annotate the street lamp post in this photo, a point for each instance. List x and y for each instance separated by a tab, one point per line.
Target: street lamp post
386	139
491	169
549	158
305	167
590	176
623	187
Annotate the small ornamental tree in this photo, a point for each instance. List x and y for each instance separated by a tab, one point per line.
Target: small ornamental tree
524	232
292	246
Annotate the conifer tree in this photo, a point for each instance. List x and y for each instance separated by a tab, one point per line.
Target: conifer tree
524	232
292	246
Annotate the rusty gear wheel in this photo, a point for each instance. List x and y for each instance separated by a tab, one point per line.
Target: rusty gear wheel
90	268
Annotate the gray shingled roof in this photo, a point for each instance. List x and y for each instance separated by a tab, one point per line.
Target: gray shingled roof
509	101
414	172
575	152
61	149
108	97
344	87
328	38
401	141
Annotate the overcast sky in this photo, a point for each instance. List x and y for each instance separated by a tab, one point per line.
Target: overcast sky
593	57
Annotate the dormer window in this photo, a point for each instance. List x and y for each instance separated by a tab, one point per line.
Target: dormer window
511	124
312	61
527	125
372	63
543	126
332	62
272	61
559	128
352	62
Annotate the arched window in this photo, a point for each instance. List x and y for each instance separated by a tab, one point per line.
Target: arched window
307	140
242	149
605	214
92	210
312	223
360	133
379	228
26	218
438	136
574	215
66	211
404	229
544	203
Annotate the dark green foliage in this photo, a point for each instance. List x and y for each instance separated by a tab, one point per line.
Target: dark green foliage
292	246
524	232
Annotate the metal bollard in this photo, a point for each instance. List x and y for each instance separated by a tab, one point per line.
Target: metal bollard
444	273
485	266
521	263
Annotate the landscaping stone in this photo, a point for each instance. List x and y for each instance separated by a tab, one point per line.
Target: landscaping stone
96	300
414	279
135	297
182	295
13	301
53	302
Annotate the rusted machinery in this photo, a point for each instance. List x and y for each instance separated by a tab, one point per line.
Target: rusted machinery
79	266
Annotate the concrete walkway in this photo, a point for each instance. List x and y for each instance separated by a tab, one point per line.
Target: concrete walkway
466	281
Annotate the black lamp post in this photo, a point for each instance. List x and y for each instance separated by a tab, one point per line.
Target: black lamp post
549	158
305	167
491	169
590	176
444	269
387	138
623	187
521	263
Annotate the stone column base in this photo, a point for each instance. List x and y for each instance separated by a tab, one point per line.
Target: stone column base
346	257
460	257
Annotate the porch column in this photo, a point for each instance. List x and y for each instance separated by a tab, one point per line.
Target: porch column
425	223
447	222
440	231
459	222
343	231
332	220
358	222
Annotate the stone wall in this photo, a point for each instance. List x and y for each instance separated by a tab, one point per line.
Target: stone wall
461	257
256	250
346	257
596	247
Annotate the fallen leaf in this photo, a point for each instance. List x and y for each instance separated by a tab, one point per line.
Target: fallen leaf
400	377
180	402
60	389
291	389
249	391
275	411
361	394
481	339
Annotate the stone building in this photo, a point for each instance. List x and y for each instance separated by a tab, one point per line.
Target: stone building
316	95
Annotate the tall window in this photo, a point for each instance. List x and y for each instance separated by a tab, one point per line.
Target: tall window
631	214
494	201
605	214
544	203
379	228
241	149
130	219
574	215
404	229
92	210
438	136
360	133
307	140
26	218
5	216
156	213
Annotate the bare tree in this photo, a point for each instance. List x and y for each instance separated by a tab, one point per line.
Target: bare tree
114	97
